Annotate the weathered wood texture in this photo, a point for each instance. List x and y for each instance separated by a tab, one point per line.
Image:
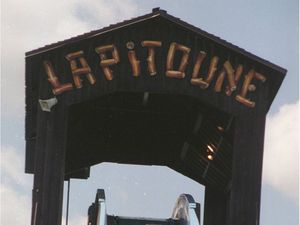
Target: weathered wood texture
215	207
117	110
49	167
245	192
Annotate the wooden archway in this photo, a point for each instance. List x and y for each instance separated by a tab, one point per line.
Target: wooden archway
151	90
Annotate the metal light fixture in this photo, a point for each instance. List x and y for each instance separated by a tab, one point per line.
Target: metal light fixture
210	157
210	152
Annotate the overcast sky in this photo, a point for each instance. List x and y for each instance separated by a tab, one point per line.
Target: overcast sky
267	28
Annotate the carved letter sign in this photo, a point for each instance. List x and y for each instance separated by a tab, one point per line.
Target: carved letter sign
58	88
241	97
170	60
135	64
104	62
76	71
195	80
151	55
79	66
211	71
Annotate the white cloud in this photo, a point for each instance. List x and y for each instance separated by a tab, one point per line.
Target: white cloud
281	168
15	186
15	207
30	24
12	167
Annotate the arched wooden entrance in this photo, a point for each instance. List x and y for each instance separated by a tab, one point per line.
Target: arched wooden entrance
151	90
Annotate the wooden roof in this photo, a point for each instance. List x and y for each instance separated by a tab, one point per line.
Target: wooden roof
156	12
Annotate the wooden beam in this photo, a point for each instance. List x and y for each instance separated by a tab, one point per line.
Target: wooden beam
49	166
244	203
215	207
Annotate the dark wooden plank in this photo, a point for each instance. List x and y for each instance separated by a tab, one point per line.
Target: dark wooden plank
38	165
49	167
215	207
247	169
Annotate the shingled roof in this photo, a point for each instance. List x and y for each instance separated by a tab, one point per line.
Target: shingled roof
157	12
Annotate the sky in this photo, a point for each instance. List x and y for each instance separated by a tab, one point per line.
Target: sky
267	28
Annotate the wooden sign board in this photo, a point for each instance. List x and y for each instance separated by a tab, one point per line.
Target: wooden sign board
153	90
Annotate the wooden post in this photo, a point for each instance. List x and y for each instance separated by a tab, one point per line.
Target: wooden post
244	205
215	207
49	166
